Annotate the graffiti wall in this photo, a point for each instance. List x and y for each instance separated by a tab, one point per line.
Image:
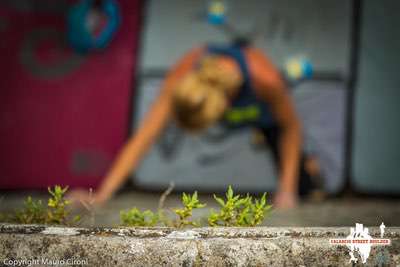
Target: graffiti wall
63	115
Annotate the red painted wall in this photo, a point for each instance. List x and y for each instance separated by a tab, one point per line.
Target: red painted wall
62	118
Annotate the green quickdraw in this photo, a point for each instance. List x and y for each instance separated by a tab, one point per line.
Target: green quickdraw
237	115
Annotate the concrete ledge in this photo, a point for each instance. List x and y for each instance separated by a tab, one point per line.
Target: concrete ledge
258	246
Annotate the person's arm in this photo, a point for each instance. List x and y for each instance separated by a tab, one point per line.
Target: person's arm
135	148
271	87
137	145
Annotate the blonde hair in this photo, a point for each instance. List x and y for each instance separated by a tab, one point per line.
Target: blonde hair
201	98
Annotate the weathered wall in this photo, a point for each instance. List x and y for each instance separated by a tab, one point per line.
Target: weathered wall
259	246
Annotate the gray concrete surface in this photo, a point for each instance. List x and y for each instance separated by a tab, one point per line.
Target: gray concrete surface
257	246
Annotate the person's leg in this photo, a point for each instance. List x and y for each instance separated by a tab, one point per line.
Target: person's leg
306	179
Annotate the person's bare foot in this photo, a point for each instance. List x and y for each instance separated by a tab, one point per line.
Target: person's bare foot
285	200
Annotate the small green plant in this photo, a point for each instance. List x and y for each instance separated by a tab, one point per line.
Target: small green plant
57	212
239	211
190	202
235	210
259	209
34	211
135	217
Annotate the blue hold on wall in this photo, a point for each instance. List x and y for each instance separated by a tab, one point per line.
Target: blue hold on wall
80	37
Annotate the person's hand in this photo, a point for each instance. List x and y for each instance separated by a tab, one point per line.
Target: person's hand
86	197
285	200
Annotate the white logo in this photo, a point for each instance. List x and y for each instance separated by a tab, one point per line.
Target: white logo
382	227
359	241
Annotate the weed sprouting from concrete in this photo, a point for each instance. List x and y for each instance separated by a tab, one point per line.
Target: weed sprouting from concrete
135	217
36	212
190	202
33	212
239	211
236	210
57	211
163	218
147	218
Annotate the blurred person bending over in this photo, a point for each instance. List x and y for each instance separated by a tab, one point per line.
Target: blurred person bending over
206	86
